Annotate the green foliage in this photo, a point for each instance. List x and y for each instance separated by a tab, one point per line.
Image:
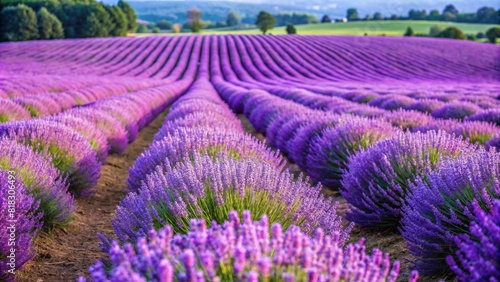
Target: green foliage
282	19
164	24
194	17
290	29
377	16
409	32
149	25
265	21
232	19
49	26
326	19
352	14
141	29
119	26
436	30
492	34
155	30
453	33
18	23
130	14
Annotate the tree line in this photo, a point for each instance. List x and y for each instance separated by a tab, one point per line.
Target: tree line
484	15
53	19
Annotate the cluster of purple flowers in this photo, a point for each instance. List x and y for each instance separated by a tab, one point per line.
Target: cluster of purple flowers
479	258
236	250
443	205
19	223
378	179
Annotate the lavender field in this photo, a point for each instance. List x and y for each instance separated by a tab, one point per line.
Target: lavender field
250	158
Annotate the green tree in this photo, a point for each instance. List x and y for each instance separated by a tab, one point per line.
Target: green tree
409	32
453	33
326	19
435	30
487	15
164	24
130	14
434	15
377	16
492	34
155	30
19	23
150	25
141	29
119	23
49	26
232	19
265	21
194	17
352	14
450	9
290	29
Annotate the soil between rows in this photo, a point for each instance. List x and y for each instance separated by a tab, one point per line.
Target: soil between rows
64	255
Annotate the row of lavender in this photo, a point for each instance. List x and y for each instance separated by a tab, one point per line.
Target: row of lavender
432	186
419	110
210	169
46	162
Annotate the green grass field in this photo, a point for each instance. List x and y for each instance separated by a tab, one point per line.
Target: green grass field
393	28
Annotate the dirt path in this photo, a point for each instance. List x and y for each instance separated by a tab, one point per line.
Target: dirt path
67	254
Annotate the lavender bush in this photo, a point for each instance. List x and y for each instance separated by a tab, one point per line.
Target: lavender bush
456	110
479	256
441	207
41	180
329	152
209	189
379	179
244	251
24	222
11	111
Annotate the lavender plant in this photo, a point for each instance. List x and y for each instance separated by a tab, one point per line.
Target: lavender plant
329	152
440	207
210	189
456	110
478	256
379	178
244	251
42	181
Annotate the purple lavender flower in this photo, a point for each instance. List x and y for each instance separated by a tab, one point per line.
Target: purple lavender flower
476	131
440	207
41	180
70	152
206	188
329	152
184	143
425	105
437	125
379	178
10	111
244	251
23	222
491	115
396	102
405	119
456	110
479	257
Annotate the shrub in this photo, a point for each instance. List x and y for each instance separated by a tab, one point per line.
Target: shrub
155	30
453	33
478	257
396	102
492	34
10	111
425	105
441	207
290	29
409	32
25	223
380	178
245	251
18	23
476	132
407	119
70	152
202	187
456	110
436	30
41	180
141	29
491	115
180	146
329	152
164	24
